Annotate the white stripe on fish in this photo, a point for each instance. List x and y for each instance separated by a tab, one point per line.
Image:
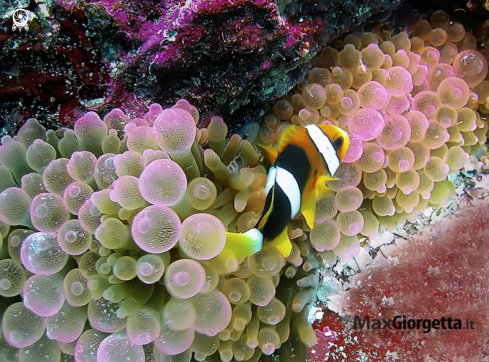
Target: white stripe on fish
325	147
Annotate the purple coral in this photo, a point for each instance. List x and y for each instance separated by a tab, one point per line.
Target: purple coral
135	241
184	278
366	124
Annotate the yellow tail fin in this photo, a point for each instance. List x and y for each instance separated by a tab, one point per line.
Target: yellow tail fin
246	244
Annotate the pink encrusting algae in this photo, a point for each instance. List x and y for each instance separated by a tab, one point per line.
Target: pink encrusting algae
439	278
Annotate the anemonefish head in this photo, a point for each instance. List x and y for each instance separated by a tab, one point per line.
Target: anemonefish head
338	137
331	144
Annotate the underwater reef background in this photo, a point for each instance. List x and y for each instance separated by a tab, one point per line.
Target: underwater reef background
230	58
224	56
113	223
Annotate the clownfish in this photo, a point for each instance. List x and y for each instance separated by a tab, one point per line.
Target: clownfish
306	158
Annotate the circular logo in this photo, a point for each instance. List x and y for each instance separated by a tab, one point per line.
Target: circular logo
20	18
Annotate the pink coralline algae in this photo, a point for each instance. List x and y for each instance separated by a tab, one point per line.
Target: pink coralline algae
320	352
220	55
438	275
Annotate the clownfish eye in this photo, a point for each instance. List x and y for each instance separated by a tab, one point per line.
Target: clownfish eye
338	143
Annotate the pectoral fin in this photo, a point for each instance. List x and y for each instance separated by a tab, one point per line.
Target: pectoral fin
282	244
322	189
309	211
308	205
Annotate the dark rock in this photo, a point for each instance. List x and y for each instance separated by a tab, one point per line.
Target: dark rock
227	57
231	58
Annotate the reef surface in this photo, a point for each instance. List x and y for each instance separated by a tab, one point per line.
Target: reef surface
225	57
86	273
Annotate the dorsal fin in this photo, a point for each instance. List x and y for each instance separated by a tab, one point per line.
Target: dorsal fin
288	136
269	152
